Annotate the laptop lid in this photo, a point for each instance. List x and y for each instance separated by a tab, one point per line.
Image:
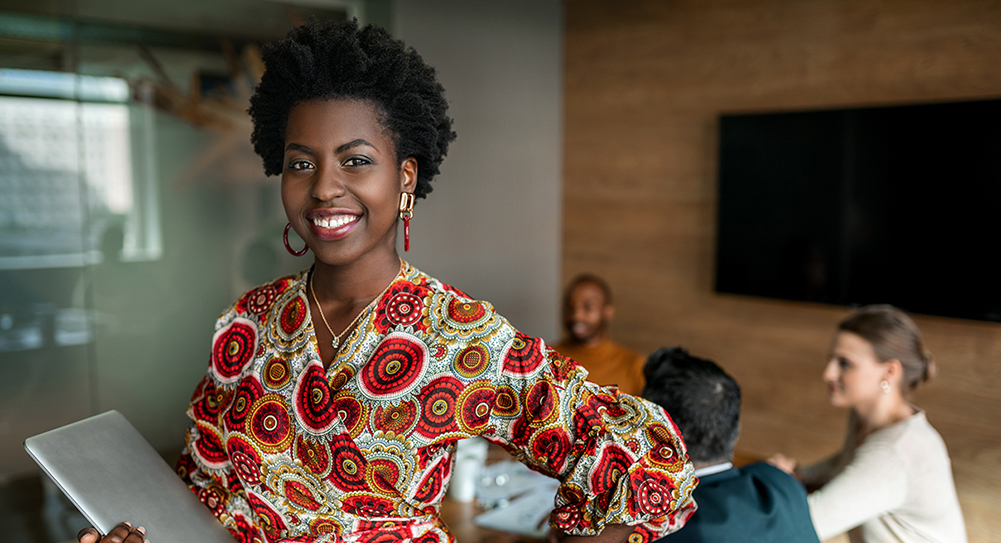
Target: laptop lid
111	473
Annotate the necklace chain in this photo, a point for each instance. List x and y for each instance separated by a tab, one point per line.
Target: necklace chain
336	342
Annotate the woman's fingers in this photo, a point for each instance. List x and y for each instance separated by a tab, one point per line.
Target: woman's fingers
136	536
123	533
88	535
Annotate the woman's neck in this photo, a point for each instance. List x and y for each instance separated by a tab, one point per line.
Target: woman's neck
885	411
358	282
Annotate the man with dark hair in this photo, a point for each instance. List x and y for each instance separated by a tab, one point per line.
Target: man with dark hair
755	503
587	312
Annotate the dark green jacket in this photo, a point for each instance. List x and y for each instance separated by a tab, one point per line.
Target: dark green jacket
757	503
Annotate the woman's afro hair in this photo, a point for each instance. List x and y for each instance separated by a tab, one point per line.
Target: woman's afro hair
340	61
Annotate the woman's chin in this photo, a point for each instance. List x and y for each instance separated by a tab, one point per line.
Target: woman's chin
838	400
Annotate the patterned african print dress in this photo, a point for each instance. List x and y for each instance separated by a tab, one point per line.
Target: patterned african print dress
282	450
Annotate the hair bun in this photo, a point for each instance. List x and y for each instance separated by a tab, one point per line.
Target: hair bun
931	368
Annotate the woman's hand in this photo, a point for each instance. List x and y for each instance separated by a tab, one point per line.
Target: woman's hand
123	533
613	533
786	464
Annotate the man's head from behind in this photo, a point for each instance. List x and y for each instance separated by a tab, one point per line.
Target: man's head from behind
702	400
587	309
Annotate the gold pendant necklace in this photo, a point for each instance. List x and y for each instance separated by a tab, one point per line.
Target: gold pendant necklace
336	342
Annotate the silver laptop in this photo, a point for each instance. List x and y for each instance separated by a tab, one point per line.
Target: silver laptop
106	468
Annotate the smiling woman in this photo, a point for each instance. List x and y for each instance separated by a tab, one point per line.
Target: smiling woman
892	481
334	397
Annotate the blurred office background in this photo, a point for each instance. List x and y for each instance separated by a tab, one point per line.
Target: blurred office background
133	210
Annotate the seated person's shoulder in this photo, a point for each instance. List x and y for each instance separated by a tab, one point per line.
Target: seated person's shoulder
774	477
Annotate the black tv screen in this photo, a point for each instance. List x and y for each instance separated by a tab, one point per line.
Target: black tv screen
898	205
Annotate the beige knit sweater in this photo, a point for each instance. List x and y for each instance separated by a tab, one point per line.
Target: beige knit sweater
895	487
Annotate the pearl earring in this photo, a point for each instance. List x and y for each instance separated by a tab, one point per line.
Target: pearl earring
885	385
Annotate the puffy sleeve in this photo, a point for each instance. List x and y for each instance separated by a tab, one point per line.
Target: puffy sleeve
205	463
620	459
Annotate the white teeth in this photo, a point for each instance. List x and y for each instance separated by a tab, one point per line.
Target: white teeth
334	222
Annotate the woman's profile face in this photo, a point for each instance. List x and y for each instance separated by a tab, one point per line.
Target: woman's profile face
853	372
340	182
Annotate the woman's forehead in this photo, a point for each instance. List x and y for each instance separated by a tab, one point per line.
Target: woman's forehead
333	122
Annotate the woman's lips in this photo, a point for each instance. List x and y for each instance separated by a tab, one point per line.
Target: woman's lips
331	225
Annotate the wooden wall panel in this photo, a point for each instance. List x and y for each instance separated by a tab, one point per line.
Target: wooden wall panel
645	84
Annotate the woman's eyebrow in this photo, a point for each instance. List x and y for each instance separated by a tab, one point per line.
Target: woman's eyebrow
354	143
298	147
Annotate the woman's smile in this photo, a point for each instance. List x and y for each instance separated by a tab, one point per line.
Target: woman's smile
332	224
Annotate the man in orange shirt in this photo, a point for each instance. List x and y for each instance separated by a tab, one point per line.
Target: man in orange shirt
587	311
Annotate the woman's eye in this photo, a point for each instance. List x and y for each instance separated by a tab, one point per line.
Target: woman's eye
843	363
299	165
356	161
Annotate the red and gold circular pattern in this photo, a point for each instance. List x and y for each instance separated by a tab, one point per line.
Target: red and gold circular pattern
353	414
368	505
249	391
438	401
382	475
260	299
233	348
433	484
395	418
403	305
523	356
314	406
245	458
210	405
276	373
465	313
507	404
341	378
566	517
613	463
404	309
397	364
301	495
365	524
214	497
293	316
268	520
314	454
541	404
269	425
438	351
429	537
663	453
475	404
572	494
472	361
348	470
321	526
552	446
653	498
209	447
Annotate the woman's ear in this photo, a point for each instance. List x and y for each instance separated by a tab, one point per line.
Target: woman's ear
408	174
893	371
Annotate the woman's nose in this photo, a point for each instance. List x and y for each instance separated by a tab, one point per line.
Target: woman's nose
327	185
830	371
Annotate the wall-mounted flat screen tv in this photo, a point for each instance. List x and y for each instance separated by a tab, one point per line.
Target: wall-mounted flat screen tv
898	205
